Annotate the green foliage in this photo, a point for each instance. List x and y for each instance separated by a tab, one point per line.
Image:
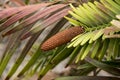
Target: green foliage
87	78
96	48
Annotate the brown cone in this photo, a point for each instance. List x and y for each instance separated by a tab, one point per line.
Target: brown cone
61	38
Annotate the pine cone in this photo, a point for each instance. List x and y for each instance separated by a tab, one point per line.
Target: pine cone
61	38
